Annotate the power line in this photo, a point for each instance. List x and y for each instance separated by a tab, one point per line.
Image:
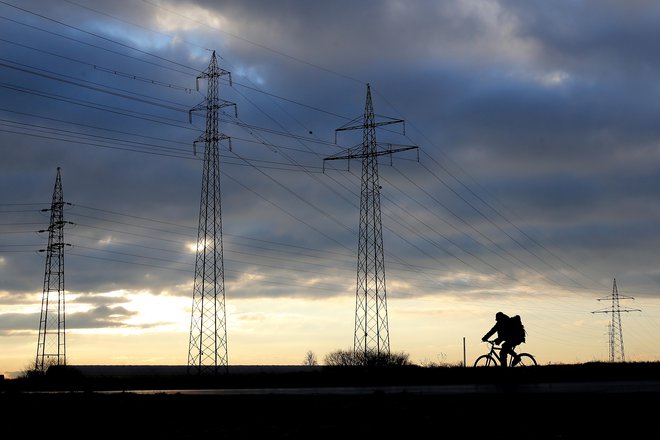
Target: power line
371	341
51	345
207	348
135	24
285	55
615	330
301	138
513	238
91	85
101	37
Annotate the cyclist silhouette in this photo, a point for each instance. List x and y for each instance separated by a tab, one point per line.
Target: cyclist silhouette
505	335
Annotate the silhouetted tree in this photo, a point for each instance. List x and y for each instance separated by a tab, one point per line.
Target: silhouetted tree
310	359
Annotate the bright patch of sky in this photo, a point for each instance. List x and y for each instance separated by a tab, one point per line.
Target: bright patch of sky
107	240
160	312
189	18
495	36
248	72
141	39
554	78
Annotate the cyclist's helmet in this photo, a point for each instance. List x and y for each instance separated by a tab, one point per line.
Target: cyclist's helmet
499	316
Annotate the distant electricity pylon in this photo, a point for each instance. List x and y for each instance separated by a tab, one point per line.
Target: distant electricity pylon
207	350
51	345
615	331
371	339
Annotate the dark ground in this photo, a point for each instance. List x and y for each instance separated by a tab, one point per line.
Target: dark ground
497	398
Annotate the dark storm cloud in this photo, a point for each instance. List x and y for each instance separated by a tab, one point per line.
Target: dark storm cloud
100	317
17	322
601	38
100	300
551	108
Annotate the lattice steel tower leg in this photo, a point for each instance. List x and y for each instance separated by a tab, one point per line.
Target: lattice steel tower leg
371	338
51	345
616	352
207	352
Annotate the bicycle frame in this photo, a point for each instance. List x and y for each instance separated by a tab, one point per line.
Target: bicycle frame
492	358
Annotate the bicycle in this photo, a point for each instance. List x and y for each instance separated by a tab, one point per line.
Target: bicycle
492	358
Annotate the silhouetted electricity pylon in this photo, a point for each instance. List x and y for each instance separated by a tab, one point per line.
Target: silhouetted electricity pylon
207	350
615	331
51	345
371	339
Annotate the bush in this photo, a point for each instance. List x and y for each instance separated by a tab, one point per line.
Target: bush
348	358
31	373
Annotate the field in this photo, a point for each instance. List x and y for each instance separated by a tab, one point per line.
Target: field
549	402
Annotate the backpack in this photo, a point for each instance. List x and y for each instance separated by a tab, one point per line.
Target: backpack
518	329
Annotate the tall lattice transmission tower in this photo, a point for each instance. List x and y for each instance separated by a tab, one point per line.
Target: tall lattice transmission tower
615	330
371	339
51	345
207	350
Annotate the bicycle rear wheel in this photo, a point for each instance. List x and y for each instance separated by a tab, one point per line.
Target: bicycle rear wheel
486	360
526	360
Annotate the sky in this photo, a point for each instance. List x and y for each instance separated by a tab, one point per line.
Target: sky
533	189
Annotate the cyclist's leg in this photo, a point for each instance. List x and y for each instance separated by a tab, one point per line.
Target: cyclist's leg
507	348
516	356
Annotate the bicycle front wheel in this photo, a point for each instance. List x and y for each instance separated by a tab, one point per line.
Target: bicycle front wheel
526	360
486	360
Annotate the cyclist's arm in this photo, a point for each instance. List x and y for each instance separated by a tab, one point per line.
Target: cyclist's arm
490	333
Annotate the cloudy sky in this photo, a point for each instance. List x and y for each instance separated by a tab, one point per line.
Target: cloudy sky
535	187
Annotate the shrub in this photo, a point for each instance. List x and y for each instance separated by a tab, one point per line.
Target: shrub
347	358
